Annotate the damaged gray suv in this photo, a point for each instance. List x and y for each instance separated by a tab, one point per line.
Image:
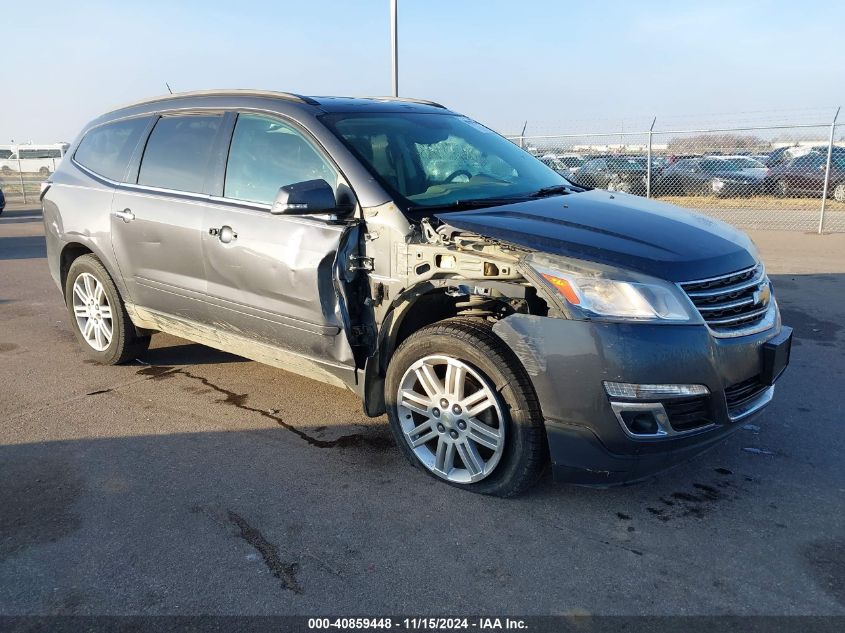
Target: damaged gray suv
503	318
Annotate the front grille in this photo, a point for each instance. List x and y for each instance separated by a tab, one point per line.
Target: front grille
741	393
686	414
732	303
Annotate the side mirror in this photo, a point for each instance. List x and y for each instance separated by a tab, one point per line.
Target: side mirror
305	198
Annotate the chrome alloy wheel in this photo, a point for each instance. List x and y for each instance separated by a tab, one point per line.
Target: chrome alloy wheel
92	311
451	418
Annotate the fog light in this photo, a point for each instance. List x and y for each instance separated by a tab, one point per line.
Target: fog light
640	422
652	392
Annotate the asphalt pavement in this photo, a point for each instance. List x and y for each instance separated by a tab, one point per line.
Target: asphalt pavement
196	482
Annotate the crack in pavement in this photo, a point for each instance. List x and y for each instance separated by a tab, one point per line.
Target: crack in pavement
158	372
269	553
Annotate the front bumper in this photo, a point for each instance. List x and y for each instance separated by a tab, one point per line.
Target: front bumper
739	190
569	360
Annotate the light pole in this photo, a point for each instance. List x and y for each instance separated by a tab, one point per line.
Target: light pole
394	40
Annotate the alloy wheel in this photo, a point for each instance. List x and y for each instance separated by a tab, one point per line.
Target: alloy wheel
451	418
92	311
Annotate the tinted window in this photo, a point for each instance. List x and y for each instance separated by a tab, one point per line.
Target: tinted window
178	152
808	161
106	150
267	154
5	153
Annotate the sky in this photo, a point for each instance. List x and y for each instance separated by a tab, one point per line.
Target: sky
560	66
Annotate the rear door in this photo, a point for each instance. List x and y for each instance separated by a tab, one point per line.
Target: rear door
158	215
275	278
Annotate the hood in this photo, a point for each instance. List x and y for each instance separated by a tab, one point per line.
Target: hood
616	229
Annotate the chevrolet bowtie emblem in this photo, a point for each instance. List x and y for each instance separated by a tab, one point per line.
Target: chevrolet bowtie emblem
763	295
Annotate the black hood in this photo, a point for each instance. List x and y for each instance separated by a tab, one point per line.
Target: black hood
619	230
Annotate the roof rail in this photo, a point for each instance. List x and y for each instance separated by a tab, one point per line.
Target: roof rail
289	96
408	100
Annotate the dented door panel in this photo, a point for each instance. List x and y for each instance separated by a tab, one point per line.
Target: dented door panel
273	281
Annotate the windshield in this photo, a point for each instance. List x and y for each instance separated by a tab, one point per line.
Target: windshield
430	160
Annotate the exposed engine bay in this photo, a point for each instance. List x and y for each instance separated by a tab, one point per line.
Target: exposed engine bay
477	276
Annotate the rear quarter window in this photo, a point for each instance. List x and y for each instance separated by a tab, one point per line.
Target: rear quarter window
106	149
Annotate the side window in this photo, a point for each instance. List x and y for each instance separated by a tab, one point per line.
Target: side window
267	154
106	150
178	152
808	161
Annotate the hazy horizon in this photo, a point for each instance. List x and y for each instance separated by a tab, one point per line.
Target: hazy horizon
604	67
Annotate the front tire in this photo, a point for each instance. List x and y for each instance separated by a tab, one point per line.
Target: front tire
462	408
839	192
98	316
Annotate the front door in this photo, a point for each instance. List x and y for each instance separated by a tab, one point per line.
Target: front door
271	278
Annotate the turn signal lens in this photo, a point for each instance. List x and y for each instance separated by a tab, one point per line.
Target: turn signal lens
652	392
564	288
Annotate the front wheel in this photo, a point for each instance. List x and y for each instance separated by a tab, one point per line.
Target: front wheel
839	192
463	409
98	316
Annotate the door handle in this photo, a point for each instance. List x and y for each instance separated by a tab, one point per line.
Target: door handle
126	215
225	234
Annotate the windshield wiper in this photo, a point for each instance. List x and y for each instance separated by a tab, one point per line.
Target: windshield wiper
470	203
556	190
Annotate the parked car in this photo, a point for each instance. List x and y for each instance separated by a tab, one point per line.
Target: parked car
564	164
746	164
805	176
499	315
712	176
614	173
2	202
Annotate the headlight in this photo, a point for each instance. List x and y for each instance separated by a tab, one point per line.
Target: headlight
600	292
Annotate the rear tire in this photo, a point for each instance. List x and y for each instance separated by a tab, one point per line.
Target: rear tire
490	415
839	192
98	316
782	189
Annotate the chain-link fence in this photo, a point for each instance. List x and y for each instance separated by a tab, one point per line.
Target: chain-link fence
767	177
21	178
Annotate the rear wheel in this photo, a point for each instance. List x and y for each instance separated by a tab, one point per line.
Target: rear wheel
839	192
463	409
782	188
98	315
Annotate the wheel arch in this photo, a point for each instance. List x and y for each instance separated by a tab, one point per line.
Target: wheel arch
410	312
74	249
